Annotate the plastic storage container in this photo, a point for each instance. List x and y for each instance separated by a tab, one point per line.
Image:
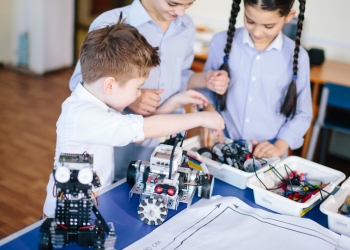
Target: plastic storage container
224	172
337	222
283	205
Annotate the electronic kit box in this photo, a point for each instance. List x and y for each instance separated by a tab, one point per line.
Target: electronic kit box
224	172
283	205
338	222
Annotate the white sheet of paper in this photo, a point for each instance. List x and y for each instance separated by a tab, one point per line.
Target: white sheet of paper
229	223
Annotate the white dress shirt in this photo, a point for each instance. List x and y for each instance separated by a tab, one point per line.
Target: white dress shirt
88	125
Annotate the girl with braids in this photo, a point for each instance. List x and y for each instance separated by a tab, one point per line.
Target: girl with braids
268	99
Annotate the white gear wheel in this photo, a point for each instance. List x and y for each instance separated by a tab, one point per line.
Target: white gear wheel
153	210
62	174
85	176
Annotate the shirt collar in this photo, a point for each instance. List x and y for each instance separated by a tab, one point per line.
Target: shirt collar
139	15
85	95
277	43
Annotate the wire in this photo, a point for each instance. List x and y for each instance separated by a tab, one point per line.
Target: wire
64	227
172	156
86	227
183	138
95	198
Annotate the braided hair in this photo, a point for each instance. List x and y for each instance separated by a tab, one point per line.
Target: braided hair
230	33
288	107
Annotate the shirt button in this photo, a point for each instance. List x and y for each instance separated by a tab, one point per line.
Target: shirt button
247	120
253	78
257	57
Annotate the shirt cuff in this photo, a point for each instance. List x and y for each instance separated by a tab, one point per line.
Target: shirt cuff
292	138
137	128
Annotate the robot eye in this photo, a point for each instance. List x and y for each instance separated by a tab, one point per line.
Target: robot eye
62	174
85	176
158	189
171	191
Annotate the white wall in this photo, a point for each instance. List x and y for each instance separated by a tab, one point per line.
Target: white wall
326	23
50	27
5	30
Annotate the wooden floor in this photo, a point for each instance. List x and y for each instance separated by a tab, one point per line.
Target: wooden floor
29	109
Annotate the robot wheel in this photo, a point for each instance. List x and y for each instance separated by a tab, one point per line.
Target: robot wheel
153	210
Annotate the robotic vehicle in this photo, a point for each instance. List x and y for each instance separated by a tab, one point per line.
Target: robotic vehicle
171	176
74	178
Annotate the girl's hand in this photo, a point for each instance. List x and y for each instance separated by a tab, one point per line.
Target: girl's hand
217	81
267	150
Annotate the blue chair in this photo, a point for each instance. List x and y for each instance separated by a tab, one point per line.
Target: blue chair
334	114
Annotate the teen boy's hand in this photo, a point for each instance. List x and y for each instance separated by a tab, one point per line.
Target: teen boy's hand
147	103
217	81
267	150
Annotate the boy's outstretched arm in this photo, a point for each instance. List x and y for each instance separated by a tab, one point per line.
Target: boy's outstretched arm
216	81
181	99
163	125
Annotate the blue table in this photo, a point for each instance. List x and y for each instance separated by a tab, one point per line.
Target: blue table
115	207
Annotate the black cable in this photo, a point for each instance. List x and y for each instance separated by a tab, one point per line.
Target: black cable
172	156
183	138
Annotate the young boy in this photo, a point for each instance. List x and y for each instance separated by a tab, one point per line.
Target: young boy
115	62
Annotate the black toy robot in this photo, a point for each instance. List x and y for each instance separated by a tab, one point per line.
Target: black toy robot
74	178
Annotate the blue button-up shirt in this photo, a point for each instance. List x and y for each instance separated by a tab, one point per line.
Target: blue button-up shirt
175	46
258	84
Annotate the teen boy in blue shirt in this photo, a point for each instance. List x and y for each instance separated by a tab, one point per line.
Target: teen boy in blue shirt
165	25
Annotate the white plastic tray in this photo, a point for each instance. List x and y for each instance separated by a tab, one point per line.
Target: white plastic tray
224	172
284	205
337	222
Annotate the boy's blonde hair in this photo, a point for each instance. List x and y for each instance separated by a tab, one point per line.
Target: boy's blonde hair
118	51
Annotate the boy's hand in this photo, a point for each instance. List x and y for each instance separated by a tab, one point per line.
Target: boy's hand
147	103
268	150
190	97
212	120
208	138
217	81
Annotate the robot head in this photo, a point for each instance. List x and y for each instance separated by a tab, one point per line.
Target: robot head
75	171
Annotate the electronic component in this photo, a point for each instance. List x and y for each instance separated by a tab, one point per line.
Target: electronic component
74	178
172	176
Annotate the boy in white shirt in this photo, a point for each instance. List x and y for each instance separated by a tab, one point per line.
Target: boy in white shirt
115	62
